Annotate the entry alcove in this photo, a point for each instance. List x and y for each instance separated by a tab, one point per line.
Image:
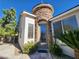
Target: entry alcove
43	30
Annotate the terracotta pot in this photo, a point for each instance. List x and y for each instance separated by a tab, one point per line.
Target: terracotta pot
76	53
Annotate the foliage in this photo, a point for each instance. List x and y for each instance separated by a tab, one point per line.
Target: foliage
9	16
10	29
71	38
56	50
2	32
29	48
8	23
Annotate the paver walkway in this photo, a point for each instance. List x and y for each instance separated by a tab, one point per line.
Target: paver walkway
42	52
41	56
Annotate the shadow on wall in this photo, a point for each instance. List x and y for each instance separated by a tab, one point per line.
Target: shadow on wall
3	57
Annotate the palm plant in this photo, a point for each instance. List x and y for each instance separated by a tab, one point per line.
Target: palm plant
71	38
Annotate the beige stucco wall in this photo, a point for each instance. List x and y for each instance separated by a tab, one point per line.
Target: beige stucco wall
65	16
23	28
21	31
77	16
38	34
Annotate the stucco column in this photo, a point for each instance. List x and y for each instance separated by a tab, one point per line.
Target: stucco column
37	31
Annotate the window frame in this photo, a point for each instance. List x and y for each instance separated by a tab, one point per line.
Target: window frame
62	27
30	31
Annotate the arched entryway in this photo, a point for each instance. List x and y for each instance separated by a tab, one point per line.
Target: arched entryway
43	31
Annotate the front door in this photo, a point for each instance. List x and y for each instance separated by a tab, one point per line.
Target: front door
43	29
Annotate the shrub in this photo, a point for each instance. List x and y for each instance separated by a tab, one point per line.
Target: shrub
29	48
55	49
71	38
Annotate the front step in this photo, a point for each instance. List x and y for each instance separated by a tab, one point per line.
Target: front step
43	45
43	51
43	48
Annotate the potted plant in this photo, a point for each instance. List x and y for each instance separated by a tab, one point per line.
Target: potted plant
71	38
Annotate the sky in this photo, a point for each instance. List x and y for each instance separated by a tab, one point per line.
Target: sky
27	5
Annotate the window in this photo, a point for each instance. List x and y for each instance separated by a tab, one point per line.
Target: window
57	28
30	30
69	23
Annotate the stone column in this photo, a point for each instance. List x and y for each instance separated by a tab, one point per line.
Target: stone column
44	13
49	33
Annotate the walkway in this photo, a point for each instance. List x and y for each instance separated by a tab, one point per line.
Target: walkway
9	51
42	52
41	56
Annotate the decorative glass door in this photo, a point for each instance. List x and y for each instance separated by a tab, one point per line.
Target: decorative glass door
43	29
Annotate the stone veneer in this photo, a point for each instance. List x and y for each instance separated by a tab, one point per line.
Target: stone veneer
44	13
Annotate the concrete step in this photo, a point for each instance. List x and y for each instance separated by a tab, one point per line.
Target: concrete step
42	51
43	45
